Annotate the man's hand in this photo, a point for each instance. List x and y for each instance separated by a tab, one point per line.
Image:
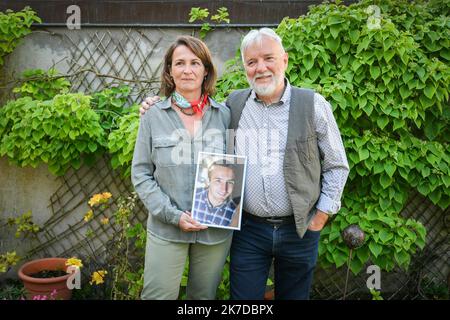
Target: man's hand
187	224
319	221
147	103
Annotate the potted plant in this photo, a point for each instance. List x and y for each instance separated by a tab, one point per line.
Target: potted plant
47	278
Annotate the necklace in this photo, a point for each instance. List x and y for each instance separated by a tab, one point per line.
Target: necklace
183	110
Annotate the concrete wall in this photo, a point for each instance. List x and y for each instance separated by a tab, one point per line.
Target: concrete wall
127	53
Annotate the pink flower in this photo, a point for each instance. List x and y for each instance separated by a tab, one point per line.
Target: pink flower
53	294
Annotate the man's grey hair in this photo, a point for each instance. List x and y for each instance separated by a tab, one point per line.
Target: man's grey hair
256	35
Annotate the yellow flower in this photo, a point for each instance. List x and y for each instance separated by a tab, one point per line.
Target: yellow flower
74	262
95	199
104	220
98	277
106	195
99	198
88	216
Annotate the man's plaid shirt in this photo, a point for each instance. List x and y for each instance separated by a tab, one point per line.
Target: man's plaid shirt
205	213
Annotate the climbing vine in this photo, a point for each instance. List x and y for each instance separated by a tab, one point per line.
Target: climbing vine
388	85
13	27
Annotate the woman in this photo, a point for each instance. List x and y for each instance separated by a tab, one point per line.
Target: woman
171	134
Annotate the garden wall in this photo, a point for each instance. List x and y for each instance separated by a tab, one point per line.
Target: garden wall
95	57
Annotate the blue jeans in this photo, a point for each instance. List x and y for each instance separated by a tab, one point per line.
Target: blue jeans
252	251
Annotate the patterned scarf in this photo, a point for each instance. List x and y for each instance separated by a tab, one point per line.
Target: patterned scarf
197	105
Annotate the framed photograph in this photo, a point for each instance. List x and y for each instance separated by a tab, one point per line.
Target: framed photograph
219	190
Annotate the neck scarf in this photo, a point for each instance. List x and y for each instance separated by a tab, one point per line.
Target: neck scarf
196	105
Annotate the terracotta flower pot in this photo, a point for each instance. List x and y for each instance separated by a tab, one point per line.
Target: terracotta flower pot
45	286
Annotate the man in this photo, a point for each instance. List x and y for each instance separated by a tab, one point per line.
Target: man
214	204
296	172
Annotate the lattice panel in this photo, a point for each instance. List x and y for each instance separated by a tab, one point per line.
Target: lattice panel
65	232
111	56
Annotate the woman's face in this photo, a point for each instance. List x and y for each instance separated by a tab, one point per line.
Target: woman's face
187	71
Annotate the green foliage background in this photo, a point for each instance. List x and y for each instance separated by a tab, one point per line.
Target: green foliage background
388	86
13	27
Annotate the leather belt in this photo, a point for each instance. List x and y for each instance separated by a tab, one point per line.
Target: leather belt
270	220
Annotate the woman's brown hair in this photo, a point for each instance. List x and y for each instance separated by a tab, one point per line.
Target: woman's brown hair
200	49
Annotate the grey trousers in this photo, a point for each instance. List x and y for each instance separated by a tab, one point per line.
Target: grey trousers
164	266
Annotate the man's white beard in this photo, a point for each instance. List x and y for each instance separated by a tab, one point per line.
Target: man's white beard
264	90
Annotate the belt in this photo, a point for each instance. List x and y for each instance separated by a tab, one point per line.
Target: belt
270	220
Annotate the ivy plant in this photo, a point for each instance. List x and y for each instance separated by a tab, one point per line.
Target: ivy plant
122	140
13	27
200	14
42	85
388	87
111	104
62	132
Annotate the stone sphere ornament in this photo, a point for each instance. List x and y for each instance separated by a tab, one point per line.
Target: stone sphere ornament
353	236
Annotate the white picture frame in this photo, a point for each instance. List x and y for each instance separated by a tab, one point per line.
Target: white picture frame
213	203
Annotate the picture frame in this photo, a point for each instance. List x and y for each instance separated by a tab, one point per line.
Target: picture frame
219	190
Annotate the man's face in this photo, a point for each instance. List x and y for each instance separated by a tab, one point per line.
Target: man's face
221	184
265	63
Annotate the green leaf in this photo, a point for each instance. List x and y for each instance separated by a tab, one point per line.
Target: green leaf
375	248
73	134
429	91
92	146
363	44
385	236
382	121
446	181
81	145
384	203
355	65
374	72
339	258
308	62
363	154
424	188
385	181
332	20
334	30
398	123
356	266
332	43
435	196
390	168
378	167
405	92
401	257
354	36
363	254
76	163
